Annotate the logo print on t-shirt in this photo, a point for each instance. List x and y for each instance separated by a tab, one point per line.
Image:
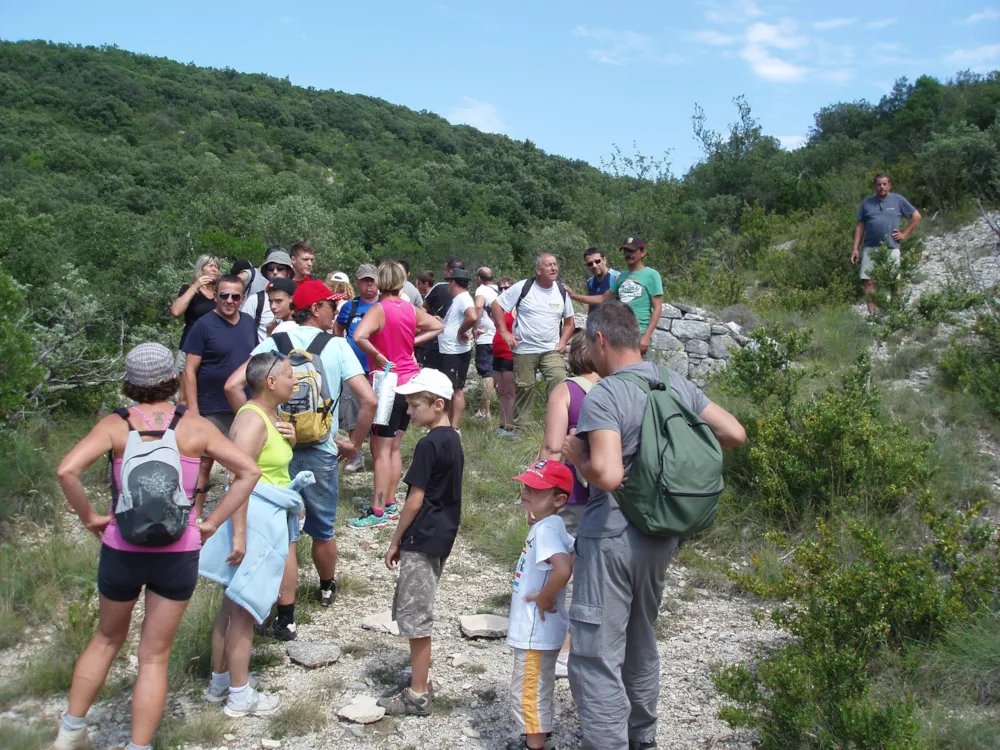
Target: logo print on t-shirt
629	291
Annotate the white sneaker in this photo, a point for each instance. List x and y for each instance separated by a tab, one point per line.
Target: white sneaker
72	739
356	464
256	704
218	695
562	666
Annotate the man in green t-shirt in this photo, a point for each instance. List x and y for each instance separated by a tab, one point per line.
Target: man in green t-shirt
639	287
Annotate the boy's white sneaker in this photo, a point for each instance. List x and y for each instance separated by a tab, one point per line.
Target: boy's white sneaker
72	739
215	694
255	703
562	666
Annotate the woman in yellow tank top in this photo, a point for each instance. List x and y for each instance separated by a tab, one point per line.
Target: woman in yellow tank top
257	430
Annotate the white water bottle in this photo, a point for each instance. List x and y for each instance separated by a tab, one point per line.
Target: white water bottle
384	384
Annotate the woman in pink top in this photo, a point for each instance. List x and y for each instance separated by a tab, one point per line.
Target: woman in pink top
169	573
388	333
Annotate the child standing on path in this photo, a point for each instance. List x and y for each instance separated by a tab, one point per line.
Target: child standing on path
538	618
426	530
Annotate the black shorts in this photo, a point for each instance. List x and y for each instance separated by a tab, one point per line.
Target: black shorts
399	420
484	360
172	575
503	365
432	357
456	367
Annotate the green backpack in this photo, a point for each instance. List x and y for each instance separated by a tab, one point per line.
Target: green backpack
674	486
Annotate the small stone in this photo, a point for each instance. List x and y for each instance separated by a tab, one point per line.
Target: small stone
471	733
669	311
267	744
687	638
381	623
357	686
458	660
229	737
365	545
483	626
696	347
313	655
356	731
362	713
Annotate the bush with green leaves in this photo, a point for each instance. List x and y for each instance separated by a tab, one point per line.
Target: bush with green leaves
852	604
807	457
20	372
974	366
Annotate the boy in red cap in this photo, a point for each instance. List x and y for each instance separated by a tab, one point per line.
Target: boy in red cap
538	618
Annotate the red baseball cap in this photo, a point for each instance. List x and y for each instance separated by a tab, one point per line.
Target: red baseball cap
309	293
547	474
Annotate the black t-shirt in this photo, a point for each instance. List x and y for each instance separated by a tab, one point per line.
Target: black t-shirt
200	304
437	470
223	347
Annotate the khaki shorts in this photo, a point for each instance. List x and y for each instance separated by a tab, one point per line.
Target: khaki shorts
413	603
532	685
867	264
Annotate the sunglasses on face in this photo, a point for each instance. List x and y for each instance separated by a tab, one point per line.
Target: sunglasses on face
280	358
271	268
234	296
504	288
593	263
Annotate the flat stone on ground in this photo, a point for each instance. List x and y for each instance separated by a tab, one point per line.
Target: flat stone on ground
483	626
313	655
362	713
381	623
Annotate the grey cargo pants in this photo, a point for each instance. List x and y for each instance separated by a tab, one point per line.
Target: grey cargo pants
614	666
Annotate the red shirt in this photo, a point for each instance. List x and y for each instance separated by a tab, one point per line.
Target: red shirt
310	277
500	348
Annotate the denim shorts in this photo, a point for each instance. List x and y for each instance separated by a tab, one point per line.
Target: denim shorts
321	498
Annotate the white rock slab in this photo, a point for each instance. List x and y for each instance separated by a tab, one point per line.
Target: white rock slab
381	623
483	626
362	713
313	655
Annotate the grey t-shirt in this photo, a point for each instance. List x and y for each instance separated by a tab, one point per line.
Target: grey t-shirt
881	217
616	404
412	295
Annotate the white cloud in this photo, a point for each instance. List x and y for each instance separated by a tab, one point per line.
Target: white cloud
833	23
621	47
481	115
882	24
736	11
791	142
977	59
783	35
986	14
771	68
715	38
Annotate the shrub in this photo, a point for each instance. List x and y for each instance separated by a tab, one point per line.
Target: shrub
974	366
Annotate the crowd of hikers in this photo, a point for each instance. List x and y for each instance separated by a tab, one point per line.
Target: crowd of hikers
283	377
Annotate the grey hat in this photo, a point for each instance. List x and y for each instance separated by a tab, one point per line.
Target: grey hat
278	257
460	274
366	271
149	364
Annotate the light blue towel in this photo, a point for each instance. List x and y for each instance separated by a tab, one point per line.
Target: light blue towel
271	513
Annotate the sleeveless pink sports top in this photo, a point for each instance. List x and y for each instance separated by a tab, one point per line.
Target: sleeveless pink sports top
395	340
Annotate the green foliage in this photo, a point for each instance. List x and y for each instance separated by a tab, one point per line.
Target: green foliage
21	374
937	307
974	366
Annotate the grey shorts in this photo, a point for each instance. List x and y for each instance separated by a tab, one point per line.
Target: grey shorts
868	265
349	408
413	603
223	420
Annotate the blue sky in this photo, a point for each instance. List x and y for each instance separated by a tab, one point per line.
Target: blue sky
574	77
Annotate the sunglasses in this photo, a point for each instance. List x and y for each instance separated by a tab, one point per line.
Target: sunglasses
504	288
280	358
594	262
234	296
271	268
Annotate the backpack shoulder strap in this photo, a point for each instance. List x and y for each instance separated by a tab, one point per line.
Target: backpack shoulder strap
124	414
179	412
524	292
355	304
283	342
563	290
582	383
260	310
644	384
318	343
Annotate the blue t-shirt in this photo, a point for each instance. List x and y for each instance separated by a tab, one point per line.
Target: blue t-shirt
595	287
339	366
880	217
223	347
363	307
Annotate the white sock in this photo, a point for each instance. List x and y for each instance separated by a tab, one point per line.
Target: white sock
220	679
240	693
73	723
132	746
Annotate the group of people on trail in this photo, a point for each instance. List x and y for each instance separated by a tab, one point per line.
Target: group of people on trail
275	381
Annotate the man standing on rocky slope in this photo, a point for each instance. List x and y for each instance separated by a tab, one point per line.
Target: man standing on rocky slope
878	221
614	666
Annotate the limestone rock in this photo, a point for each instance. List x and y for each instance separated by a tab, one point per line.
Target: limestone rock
718	330
685	330
669	311
381	623
267	744
703	371
362	713
697	347
684	308
720	346
665	341
735	328
676	361
313	655
694	316
483	626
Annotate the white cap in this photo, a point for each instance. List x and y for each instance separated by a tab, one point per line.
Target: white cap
430	380
340	276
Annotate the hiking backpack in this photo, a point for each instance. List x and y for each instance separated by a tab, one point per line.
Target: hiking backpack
674	486
528	283
151	507
310	408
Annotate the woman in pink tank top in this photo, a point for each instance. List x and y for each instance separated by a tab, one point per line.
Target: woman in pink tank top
168	573
389	332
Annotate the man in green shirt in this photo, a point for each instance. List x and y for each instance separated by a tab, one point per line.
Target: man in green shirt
639	287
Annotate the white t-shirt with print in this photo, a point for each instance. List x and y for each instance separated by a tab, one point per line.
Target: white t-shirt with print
448	342
526	628
489	293
537	325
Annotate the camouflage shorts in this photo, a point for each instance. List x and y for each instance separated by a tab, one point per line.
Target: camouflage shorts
413	603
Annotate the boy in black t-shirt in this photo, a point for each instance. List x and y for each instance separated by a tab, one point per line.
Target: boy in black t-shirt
425	532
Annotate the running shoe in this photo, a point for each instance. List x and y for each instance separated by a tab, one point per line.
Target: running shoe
218	695
356	464
283	631
370	521
255	703
72	739
390	510
405	702
328	596
504	433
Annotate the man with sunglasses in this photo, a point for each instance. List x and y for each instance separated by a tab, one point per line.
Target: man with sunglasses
217	345
601	277
639	287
